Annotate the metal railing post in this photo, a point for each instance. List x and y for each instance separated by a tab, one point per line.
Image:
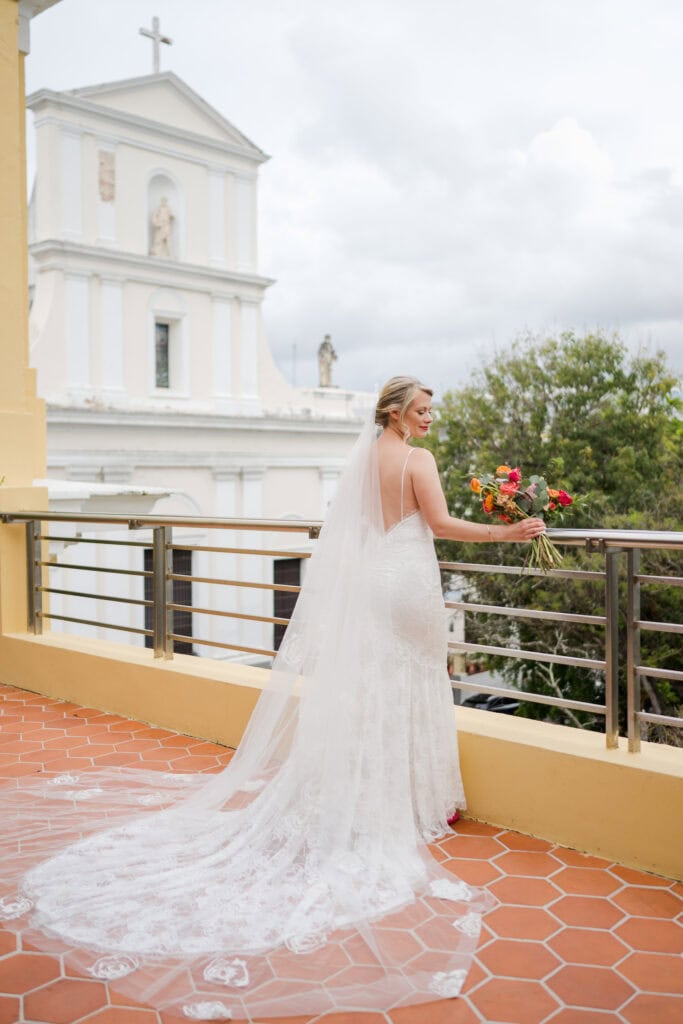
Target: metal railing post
633	651
34	576
162	590
612	647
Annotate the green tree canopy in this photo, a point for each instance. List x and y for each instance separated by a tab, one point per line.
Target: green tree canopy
601	424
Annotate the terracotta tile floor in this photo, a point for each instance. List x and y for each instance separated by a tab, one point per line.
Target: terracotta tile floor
575	939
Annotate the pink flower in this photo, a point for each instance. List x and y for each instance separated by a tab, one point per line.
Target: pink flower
564	498
509	488
514	476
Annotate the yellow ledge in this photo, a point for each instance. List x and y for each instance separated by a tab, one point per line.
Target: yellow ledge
549	781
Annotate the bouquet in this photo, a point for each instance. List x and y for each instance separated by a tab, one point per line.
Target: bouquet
505	495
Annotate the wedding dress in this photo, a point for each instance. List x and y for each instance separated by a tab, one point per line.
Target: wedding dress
299	879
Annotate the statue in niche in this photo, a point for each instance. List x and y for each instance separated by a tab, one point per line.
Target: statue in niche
162	222
326	356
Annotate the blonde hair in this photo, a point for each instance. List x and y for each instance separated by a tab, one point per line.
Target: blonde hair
397	394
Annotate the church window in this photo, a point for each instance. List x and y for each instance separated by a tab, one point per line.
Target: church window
162	332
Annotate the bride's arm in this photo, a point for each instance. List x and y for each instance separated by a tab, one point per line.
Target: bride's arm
432	503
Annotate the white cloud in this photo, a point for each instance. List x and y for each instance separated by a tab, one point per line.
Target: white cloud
444	174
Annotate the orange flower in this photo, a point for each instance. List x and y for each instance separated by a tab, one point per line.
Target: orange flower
488	504
503	471
552	493
475	485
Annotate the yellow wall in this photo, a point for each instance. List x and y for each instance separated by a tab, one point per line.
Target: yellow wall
544	780
22	415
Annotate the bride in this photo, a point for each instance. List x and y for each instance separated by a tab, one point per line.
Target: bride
299	880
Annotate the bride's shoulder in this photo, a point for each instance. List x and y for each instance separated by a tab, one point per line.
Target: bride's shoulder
422	457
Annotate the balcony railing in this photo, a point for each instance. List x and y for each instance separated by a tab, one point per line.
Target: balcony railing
611	546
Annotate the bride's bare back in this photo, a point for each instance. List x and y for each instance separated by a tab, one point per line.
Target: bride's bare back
395	479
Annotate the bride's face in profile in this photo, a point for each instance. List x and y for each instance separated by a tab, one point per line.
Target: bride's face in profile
418	416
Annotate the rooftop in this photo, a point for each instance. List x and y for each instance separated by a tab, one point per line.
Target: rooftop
575	939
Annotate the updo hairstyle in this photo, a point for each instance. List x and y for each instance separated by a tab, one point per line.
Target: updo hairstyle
397	394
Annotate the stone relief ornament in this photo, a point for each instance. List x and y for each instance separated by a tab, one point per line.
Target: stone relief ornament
106	179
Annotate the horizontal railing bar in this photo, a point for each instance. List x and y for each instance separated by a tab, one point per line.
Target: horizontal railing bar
660	627
92	622
660	673
137	522
665	581
534	698
512	652
526	613
519	570
242	551
227	615
96	568
234	583
97	540
607	538
95	597
648	716
217	643
619	538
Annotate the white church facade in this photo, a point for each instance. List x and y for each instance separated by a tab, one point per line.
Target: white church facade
147	328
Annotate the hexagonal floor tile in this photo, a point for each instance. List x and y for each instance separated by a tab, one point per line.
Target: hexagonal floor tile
480	847
654	972
652	935
521	923
526	892
587	912
522	862
592	987
510	958
65	1000
588	946
502	999
24	972
653	1009
649	902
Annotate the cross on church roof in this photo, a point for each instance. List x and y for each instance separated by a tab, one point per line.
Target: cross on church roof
155	35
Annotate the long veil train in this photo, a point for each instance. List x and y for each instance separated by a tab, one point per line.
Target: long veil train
298	880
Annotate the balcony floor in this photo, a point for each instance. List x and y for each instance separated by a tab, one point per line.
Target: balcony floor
575	939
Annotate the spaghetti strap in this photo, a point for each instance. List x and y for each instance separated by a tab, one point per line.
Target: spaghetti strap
403	477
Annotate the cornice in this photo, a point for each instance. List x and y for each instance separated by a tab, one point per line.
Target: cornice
228	465
79	105
174	420
50	254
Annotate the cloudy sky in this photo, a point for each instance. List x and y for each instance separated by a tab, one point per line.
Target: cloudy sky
445	174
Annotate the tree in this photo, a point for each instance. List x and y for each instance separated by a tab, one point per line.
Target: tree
598	423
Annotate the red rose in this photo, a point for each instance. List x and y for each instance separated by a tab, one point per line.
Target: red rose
514	476
552	505
564	498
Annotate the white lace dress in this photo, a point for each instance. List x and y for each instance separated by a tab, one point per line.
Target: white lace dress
305	886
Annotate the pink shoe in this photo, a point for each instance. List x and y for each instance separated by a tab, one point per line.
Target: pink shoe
455	817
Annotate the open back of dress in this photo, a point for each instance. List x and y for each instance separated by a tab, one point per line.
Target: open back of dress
299	879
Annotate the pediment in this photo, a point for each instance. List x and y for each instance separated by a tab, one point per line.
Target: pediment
165	99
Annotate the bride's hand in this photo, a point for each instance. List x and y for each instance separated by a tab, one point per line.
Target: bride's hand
525	530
